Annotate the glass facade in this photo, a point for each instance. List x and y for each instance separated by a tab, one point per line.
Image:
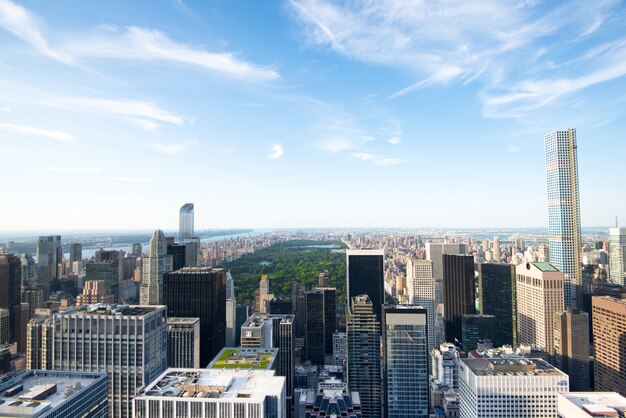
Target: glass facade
366	275
496	290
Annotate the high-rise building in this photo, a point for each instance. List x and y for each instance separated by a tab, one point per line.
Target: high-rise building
224	393
49	255
339	350
477	328
280	306
617	255
458	285
47	394
264	295
29	271
405	361
21	318
324	279
185	222
231	312
539	297
183	342
321	323
241	316
366	276
521	388
595	404
331	399
177	251
564	212
445	365
94	291
76	252
571	347
497	296
298	301
199	292
497	255
421	291
435	252
136	250
10	279
128	343
108	272
155	265
364	373
39	344
5	326
609	338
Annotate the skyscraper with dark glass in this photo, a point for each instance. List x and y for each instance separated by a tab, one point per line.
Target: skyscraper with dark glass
107	271
475	328
49	255
199	292
405	361
458	288
364	362
321	323
366	276
10	278
497	296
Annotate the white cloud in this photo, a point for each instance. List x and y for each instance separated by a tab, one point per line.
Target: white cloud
45	133
230	151
173	148
336	143
376	159
276	151
146	112
394	141
69	169
125	179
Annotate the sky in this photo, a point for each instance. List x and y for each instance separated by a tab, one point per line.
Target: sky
306	113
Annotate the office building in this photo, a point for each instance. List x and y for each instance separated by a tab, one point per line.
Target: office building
183	342
298	301
324	279
39	344
405	361
564	212
458	285
364	362
107	271
155	265
594	404
321	323
76	252
177	252
617	255
49	255
245	358
241	316
445	365
263	296
21	319
231	312
609	340
280	306
50	394
332	398
366	276
185	222
224	393
199	292
435	252
29	271
571	347
476	329
539	297
10	280
340	346
136	250
101	255
94	291
521	388
5	326
421	291
128	343
497	297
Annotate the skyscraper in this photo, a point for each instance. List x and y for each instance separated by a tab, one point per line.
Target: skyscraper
405	361
76	252
497	296
298	301
155	265
366	276
564	212
475	328
231	312
364	362
539	297
183	342
571	347
199	292
49	255
609	340
435	252
185	222
458	287
108	272
314	340
421	291
10	278
617	255
128	343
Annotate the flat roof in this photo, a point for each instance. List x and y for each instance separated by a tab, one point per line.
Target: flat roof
596	402
180	320
257	320
221	384
42	391
511	367
112	310
244	358
365	251
546	267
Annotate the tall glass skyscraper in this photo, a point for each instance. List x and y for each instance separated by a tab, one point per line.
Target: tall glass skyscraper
405	361
366	275
564	211
617	255
185	222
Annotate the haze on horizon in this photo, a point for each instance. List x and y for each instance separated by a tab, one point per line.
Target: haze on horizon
305	113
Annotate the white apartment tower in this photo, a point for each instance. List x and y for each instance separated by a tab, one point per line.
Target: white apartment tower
539	297
564	212
617	255
155	265
421	291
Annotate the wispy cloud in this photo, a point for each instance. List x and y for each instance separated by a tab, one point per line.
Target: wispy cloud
45	133
276	151
69	169
394	141
230	151
174	148
125	179
376	159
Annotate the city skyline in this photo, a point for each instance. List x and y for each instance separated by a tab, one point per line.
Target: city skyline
271	104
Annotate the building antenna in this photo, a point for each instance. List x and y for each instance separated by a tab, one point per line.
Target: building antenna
616	225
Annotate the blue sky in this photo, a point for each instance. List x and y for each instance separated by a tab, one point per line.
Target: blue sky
306	113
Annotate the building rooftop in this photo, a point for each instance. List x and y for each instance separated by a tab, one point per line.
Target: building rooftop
511	367
190	270
244	358
36	392
257	320
545	267
113	309
180	320
595	404
216	383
